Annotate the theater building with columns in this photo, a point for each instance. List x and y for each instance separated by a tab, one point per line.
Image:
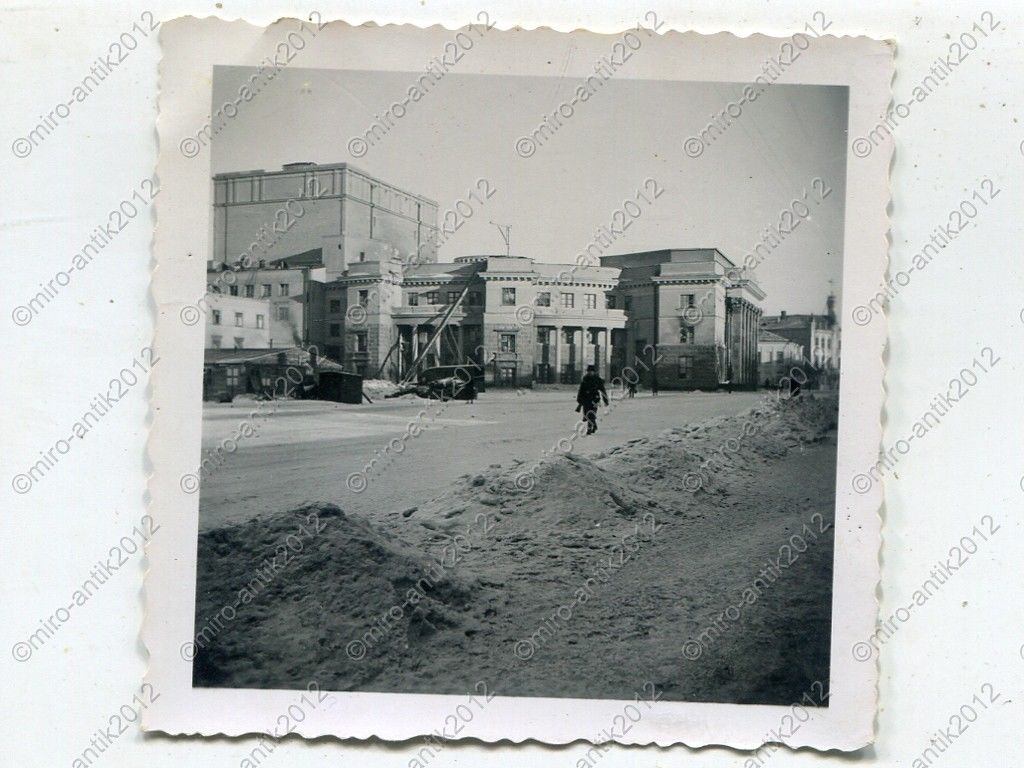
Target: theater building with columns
674	317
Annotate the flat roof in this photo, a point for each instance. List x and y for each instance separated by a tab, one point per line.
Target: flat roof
290	169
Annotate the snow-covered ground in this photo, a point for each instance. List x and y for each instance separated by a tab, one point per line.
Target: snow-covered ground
305	450
694	554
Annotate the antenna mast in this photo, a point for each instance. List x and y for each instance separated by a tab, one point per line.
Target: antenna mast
506	235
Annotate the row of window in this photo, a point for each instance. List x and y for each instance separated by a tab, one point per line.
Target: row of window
282	313
359	339
249	291
217	342
508	299
780	356
239	319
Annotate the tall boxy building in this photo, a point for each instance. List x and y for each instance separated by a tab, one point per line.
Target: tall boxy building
348	214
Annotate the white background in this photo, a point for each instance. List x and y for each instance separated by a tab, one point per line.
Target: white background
969	633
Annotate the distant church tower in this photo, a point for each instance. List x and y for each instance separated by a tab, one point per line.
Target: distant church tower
830	307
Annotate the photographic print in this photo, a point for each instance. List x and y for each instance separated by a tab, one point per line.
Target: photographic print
527	393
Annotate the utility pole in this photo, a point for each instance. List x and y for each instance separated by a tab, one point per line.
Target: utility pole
506	235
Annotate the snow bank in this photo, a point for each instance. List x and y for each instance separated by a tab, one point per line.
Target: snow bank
339	608
379	388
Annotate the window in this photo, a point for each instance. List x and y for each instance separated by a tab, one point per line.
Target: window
283	313
250	291
414	299
507	342
591	300
335	306
568	336
362	255
364	298
685	334
779	356
609	301
508	297
233	290
361	342
568	300
216	317
239	320
543	336
267	290
453	296
282	289
627	303
335	329
684	366
544	299
259	321
239	342
593	337
433	297
233	375
507	374
215	342
685	300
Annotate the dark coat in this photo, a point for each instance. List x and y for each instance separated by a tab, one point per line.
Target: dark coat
591	390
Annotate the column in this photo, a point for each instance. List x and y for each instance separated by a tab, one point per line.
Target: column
604	365
558	354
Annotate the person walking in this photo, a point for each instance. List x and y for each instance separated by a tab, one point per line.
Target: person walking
470	389
631	388
590	394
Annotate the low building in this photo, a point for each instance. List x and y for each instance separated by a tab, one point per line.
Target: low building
235	322
819	335
292	372
289	286
778	355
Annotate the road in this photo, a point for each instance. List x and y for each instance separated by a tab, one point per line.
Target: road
306	450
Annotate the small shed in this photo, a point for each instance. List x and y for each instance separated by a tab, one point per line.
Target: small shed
287	372
340	387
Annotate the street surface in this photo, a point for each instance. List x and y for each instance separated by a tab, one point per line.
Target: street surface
305	450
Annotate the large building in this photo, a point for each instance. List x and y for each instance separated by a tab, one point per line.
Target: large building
518	318
348	214
359	279
684	304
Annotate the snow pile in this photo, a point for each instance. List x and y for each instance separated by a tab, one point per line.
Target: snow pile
719	452
314	593
379	388
531	536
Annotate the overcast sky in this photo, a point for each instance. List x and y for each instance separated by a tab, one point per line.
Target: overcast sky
466	128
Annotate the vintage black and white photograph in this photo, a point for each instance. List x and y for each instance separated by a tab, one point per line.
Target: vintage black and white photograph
517	385
516	409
